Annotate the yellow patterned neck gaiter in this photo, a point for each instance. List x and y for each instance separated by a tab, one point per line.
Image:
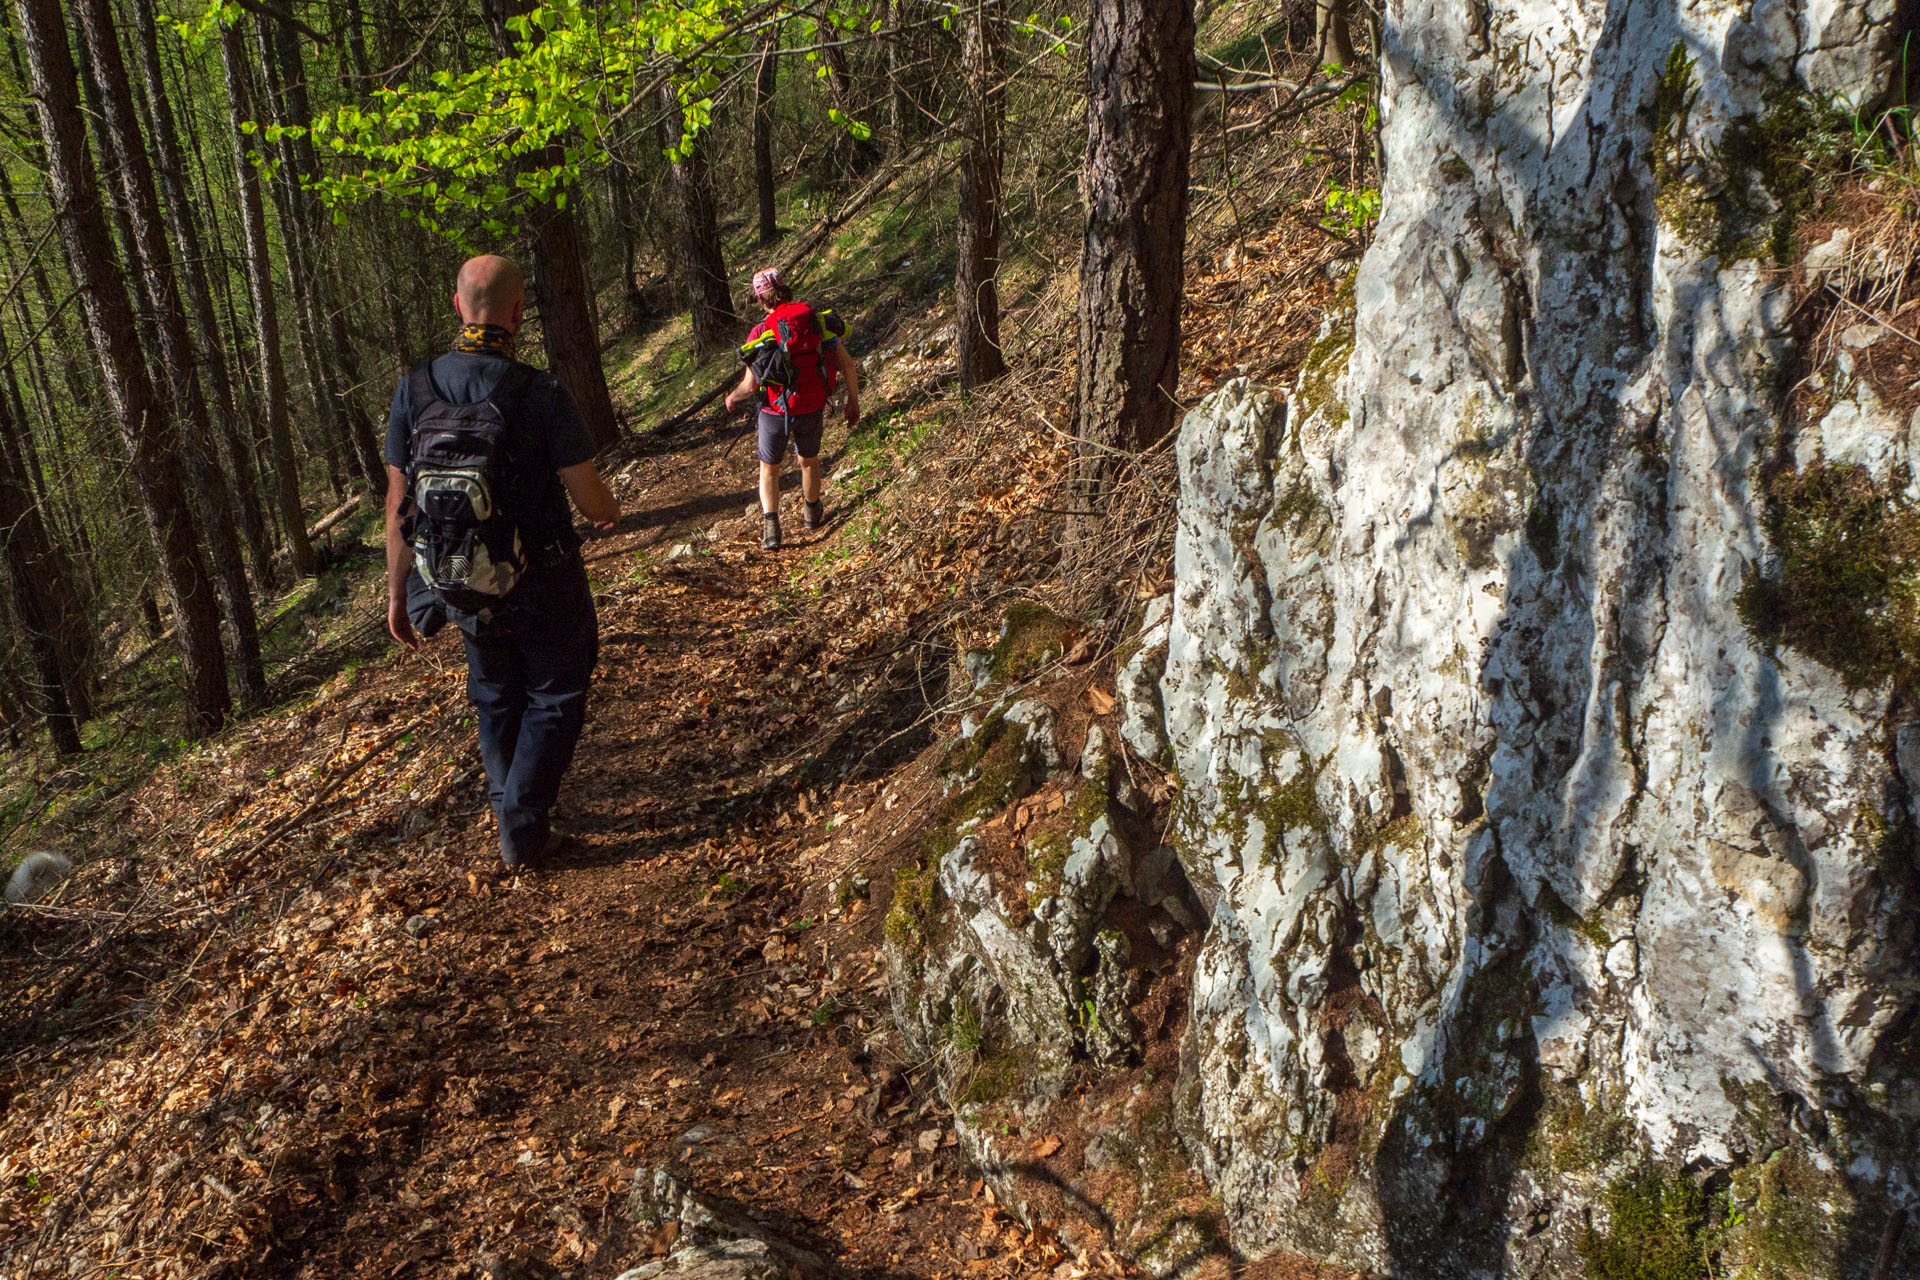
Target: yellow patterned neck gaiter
488	338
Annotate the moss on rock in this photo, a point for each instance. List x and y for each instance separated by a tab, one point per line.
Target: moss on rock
1848	589
1657	1229
1032	636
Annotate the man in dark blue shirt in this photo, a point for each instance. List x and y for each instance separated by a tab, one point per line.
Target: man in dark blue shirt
531	658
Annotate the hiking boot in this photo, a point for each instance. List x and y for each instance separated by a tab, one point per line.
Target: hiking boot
770	531
816	514
519	861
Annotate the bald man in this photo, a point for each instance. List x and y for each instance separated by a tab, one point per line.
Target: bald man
531	657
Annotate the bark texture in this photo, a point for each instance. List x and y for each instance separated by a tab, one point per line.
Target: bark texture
266	310
765	78
154	270
977	289
561	290
1140	70
146	432
703	266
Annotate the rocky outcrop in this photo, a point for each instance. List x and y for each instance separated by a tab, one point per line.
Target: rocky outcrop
705	1241
1558	852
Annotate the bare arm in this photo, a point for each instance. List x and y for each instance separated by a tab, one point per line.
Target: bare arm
591	495
744	392
851	372
399	560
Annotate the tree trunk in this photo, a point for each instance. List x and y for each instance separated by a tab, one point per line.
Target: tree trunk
30	566
283	96
178	357
567	322
861	153
703	266
152	451
560	287
620	196
764	80
1333	33
193	273
1140	69
266	314
977	291
45	571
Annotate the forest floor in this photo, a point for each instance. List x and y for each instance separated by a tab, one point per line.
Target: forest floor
290	1017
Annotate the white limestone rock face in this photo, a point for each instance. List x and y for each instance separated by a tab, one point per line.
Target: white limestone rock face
1530	869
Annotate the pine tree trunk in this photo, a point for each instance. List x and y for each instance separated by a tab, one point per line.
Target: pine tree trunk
560	287
764	81
59	616
152	450
977	290
188	400
1140	64
27	551
620	195
1332	33
703	266
567	322
184	227
284	96
861	153
266	314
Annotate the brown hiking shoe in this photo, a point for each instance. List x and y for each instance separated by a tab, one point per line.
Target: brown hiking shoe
816	514
770	531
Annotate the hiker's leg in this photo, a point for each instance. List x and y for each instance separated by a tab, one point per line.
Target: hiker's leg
497	688
810	478
559	655
772	444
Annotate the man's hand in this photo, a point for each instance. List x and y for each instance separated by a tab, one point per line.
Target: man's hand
399	626
853	411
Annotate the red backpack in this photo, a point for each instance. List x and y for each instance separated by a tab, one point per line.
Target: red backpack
787	355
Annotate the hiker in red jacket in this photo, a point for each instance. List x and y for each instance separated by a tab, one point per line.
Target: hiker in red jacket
792	356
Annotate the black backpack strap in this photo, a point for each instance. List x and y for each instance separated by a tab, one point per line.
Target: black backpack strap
513	384
420	389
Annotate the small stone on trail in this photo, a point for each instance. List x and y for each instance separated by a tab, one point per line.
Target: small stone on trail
323	925
420	926
681	550
698	1134
928	1140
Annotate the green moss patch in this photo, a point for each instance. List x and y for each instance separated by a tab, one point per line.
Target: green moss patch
1657	1229
916	896
1033	636
1848	589
1744	196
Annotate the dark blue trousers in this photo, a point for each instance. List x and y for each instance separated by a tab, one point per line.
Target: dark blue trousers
528	668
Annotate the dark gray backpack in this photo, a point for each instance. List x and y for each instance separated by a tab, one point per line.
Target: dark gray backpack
461	492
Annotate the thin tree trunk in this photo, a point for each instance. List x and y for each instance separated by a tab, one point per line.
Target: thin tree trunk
152	450
703	266
620	196
155	269
30	566
977	318
281	101
1140	69
764	83
55	607
1332	33
266	314
193	273
861	153
560	287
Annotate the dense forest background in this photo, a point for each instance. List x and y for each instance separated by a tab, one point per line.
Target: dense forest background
227	230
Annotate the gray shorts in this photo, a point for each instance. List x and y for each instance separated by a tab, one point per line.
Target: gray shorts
806	429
